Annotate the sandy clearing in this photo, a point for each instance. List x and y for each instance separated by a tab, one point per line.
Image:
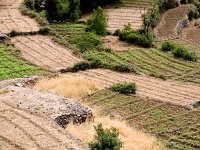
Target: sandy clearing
169	91
12	19
42	51
24	131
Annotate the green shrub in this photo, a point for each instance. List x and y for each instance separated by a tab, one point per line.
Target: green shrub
124	88
182	52
106	139
13	33
193	13
87	41
122	68
29	4
98	22
152	18
44	30
168	46
139	37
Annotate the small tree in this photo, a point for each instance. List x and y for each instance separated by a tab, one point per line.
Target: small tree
106	139
98	22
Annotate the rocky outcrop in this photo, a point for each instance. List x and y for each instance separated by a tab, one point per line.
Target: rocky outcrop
58	108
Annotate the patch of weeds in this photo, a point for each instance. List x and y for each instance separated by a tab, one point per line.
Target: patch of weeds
124	88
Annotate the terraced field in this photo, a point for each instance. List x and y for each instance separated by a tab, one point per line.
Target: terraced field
167	26
117	18
13	67
151	62
12	19
173	92
148	61
176	126
21	131
43	52
192	34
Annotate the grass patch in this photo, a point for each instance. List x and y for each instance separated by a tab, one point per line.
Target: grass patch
177	127
13	67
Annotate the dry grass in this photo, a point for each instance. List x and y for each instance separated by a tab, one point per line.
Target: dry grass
68	86
132	139
76	87
4	91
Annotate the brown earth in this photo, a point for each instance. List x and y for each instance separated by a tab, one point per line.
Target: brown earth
12	19
113	42
42	51
192	34
119	17
21	130
166	29
174	92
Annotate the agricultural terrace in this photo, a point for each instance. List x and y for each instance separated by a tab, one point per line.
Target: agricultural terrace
11	66
177	127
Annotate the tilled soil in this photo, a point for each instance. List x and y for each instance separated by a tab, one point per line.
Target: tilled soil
192	34
21	130
166	30
117	18
170	91
42	51
12	19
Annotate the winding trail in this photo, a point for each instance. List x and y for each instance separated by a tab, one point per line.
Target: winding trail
170	91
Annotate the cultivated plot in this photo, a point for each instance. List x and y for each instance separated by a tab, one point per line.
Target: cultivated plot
174	92
12	19
43	52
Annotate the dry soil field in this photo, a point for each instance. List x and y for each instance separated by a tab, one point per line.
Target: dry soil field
43	52
12	19
174	92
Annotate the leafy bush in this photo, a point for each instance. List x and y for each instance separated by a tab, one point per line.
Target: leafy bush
89	5
168	46
139	37
152	18
106	139
98	22
122	68
182	52
82	66
29	3
193	13
87	41
124	88
44	30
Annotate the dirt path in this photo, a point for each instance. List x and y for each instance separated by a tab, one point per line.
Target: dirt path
167	26
21	130
174	92
12	19
42	51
